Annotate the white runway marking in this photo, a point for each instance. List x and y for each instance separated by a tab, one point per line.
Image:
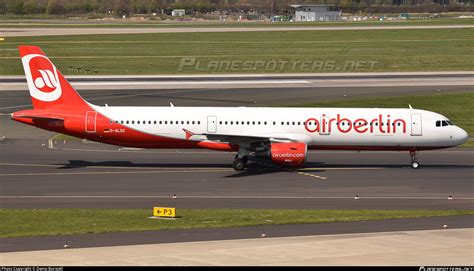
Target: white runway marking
91	165
221	197
227	42
195	83
16	106
117	172
109	167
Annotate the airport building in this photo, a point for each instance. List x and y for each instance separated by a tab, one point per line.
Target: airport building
178	12
316	13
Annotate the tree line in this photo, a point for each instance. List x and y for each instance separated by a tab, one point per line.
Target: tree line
282	7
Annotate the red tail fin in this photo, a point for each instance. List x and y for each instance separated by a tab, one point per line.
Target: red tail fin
48	88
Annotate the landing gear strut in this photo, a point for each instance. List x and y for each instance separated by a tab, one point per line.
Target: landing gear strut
414	163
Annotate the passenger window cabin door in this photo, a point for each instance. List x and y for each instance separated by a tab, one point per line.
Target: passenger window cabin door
416	125
211	124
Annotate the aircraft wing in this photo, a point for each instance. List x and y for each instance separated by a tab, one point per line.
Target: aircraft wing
236	139
240	139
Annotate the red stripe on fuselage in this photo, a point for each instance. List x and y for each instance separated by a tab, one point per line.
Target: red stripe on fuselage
106	131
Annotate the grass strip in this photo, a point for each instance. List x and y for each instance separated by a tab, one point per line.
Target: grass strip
38	222
251	52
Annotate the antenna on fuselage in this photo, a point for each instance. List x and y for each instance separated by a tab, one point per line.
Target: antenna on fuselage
171	104
409	105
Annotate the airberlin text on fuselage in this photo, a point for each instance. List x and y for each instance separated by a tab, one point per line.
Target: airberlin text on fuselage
288	155
359	125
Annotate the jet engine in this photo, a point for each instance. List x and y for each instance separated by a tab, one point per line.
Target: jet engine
285	154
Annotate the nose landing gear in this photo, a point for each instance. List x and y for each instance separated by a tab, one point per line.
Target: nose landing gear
414	163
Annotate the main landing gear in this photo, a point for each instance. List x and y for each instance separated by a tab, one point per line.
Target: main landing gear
414	163
240	163
241	159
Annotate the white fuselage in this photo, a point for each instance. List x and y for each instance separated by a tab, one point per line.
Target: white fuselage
317	127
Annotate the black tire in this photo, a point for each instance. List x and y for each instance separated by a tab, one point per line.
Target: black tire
238	164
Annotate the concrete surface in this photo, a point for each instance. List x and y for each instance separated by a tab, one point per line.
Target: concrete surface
420	248
213	234
25	31
79	174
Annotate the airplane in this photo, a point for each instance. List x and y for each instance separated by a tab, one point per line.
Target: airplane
280	135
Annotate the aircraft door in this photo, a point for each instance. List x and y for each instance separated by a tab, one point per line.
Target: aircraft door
91	117
211	124
416	128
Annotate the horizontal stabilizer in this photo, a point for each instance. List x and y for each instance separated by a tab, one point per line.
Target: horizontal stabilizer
30	114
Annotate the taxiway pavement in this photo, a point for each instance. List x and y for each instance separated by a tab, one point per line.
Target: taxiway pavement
96	175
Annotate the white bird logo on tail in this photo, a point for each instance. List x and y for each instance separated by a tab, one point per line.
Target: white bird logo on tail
45	87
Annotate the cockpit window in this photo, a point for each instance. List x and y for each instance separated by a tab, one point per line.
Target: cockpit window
443	123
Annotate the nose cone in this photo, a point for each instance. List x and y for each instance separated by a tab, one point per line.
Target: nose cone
460	136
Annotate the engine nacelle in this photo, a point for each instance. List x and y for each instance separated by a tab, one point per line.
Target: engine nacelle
285	154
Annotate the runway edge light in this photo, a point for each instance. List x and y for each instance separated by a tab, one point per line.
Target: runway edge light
166	212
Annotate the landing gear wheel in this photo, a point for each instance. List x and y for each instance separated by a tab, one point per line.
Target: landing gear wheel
414	163
239	164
